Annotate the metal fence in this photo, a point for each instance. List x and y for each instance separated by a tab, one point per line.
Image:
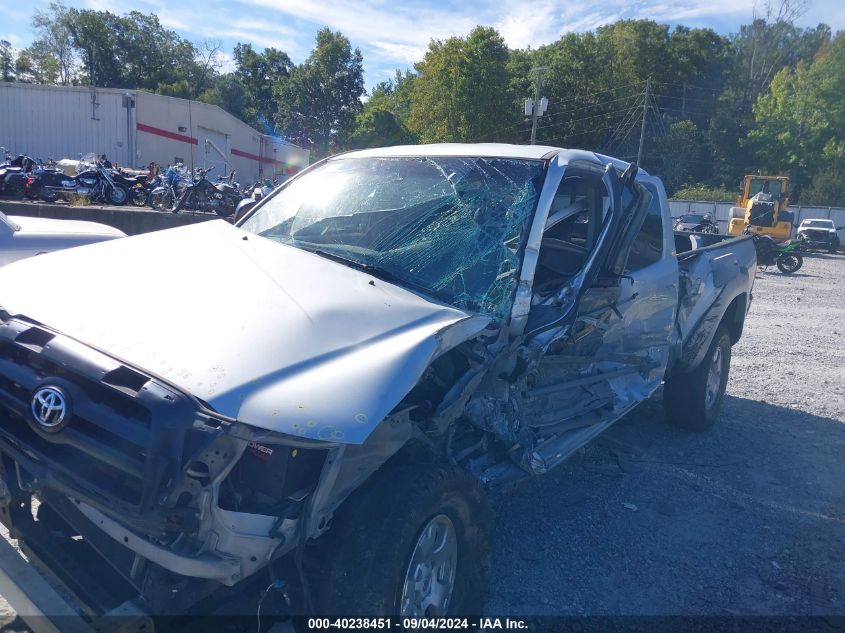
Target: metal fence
721	213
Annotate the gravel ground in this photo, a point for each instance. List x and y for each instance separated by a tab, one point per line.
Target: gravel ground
745	519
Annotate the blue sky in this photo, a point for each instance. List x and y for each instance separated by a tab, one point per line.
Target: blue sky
394	34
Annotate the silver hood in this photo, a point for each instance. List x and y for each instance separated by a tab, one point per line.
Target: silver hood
268	334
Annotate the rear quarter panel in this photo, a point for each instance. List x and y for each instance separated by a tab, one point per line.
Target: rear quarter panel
715	286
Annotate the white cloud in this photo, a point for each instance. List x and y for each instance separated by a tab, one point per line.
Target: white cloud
530	24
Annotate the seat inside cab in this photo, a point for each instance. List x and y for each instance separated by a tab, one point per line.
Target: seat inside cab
575	217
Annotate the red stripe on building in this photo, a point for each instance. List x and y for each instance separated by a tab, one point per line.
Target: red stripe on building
263	159
165	133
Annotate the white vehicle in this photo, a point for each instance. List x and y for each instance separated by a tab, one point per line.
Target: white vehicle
819	233
22	237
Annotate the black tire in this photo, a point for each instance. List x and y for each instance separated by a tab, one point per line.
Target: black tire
139	197
228	208
17	189
117	195
180	202
789	263
49	196
359	566
685	396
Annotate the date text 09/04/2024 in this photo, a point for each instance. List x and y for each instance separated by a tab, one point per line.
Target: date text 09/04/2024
416	623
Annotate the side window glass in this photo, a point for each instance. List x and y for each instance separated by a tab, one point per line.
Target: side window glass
647	247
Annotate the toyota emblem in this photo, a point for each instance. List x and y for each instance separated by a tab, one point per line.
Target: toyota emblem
50	408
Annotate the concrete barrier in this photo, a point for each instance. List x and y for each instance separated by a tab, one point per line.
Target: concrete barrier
130	220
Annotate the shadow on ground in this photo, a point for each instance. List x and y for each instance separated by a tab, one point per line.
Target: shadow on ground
745	519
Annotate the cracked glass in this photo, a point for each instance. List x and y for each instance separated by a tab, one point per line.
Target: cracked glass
452	228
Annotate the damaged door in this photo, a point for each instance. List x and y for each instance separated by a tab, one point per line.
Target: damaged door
602	259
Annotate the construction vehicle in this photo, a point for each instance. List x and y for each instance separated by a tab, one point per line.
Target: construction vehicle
762	207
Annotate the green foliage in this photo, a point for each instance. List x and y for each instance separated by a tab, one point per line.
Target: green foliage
320	100
37	64
54	35
705	192
827	188
463	90
258	74
7	62
681	155
378	127
769	97
800	121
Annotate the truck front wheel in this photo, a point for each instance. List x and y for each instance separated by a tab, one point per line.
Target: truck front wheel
415	541
692	400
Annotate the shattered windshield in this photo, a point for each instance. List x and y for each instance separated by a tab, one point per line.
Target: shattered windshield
453	228
818	224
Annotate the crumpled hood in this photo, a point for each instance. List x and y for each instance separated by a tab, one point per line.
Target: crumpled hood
822	229
271	335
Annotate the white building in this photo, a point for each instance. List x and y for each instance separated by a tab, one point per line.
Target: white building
134	128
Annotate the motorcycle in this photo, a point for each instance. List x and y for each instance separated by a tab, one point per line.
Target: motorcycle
705	226
136	185
14	173
96	184
785	256
203	195
168	189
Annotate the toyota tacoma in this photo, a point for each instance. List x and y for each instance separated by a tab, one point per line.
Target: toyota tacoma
315	399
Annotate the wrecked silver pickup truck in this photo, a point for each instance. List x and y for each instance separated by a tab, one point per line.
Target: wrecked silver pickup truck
319	395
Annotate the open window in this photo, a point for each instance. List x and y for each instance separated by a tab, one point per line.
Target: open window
575	219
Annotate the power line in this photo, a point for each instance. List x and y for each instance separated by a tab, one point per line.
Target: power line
598	92
556	115
594	105
580	133
627	124
524	125
586	118
669	83
686	98
688	111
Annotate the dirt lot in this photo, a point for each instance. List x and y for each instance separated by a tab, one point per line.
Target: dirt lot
748	518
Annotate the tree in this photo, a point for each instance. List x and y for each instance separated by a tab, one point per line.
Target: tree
681	154
376	127
37	64
319	102
463	89
827	188
800	122
7	61
228	93
259	74
54	35
760	50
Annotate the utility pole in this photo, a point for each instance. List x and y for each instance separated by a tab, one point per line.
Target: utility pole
535	110
642	125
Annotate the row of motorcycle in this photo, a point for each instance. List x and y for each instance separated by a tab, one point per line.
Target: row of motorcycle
98	181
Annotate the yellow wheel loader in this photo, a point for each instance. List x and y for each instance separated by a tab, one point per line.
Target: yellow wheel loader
762	208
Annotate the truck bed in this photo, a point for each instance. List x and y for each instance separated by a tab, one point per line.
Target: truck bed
716	277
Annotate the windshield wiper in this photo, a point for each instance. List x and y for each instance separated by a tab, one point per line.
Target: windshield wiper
372	269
